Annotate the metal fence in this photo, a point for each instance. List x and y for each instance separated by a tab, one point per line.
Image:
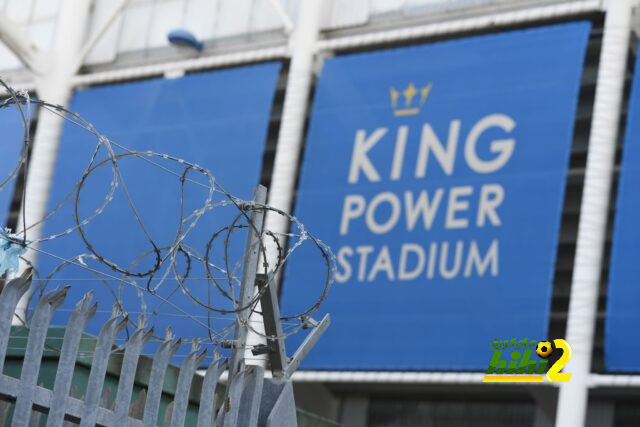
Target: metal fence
250	398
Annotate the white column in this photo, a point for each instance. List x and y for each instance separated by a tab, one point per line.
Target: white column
290	138
54	86
572	401
294	113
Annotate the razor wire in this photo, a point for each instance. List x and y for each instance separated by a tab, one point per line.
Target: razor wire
220	278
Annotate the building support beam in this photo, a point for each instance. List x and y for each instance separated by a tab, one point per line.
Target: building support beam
290	139
294	115
594	209
56	87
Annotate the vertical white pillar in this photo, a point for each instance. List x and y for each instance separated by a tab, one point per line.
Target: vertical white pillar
54	86
294	113
302	45
572	401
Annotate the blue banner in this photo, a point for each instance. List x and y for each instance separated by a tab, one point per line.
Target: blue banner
623	317
217	120
437	175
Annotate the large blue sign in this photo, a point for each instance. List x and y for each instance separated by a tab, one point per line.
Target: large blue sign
623	317
217	120
437	175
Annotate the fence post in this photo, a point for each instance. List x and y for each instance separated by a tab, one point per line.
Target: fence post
99	368
68	354
252	254
128	371
33	354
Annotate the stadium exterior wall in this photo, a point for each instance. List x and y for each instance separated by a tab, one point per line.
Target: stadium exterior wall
342	386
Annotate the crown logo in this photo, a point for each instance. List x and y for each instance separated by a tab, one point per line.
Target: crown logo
413	99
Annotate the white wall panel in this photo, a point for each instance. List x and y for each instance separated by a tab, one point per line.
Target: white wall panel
19	10
144	24
346	13
135	27
379	7
106	48
293	7
200	17
423	7
167	16
8	60
233	17
264	16
45	10
42	34
413	7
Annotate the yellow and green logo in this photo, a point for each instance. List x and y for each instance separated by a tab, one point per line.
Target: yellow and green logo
523	367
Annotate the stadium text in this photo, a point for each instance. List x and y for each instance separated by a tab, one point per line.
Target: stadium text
456	207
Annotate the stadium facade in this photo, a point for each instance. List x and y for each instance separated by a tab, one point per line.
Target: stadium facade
474	165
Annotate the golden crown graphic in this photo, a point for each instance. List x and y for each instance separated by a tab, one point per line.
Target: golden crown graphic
410	103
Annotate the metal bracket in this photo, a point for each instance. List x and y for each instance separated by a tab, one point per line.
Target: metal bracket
307	345
272	325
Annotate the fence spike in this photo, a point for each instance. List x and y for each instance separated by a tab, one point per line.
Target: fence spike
98	369
128	372
207	394
82	313
160	361
9	297
185	376
47	305
307	345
